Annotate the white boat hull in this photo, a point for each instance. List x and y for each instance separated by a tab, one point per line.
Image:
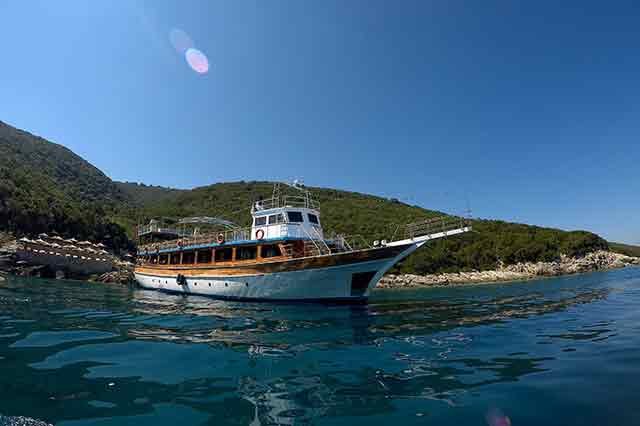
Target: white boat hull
333	283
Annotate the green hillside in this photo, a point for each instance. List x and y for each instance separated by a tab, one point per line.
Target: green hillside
374	217
141	195
626	249
45	187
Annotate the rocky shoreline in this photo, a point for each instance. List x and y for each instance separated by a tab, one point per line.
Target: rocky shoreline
10	265
599	260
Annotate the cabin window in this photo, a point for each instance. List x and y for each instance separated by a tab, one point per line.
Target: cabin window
313	218
188	257
276	218
261	220
246	252
175	258
224	255
153	259
295	217
204	256
163	259
272	250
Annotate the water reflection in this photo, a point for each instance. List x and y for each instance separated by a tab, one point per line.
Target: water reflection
202	320
73	351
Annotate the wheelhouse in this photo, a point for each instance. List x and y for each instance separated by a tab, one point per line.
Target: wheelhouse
286	222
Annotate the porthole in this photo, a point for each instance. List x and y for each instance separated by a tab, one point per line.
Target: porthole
195	283
209	284
246	284
226	284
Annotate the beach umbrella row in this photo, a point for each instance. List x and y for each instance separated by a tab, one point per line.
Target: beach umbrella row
87	246
42	237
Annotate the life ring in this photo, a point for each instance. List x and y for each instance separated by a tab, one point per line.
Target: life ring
220	238
259	234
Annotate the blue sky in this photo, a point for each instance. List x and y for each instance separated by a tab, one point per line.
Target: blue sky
528	110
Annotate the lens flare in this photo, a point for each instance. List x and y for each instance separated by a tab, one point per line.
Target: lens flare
197	60
180	40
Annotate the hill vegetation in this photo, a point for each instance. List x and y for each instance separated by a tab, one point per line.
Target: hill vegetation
45	187
625	249
490	244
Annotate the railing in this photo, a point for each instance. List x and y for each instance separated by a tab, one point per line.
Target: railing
304	248
231	235
322	247
434	225
317	240
148	229
287	201
348	243
203	239
312	243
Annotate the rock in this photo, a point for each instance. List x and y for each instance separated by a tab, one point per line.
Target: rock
23	270
21	421
8	246
123	276
520	271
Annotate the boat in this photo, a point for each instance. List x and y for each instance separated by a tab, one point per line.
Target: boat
283	255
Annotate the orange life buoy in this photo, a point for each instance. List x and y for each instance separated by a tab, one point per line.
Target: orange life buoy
259	234
220	238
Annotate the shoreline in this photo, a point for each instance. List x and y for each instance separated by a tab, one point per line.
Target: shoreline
564	266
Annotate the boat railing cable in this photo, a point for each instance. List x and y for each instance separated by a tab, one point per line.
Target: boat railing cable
432	225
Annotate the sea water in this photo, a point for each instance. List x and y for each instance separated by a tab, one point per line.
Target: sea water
548	352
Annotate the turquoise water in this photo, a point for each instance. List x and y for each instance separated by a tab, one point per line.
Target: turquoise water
550	352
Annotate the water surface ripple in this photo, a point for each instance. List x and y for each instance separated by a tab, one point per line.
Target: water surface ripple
555	351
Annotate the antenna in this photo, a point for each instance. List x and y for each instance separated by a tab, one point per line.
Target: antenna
296	184
468	205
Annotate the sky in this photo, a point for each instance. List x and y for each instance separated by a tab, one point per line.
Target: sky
525	111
